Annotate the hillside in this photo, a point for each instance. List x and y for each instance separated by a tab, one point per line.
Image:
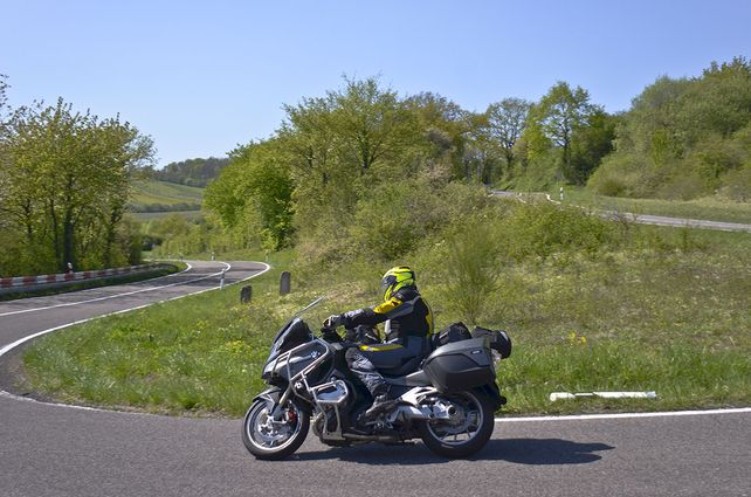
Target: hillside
161	196
192	172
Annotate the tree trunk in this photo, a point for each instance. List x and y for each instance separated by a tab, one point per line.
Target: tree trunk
68	240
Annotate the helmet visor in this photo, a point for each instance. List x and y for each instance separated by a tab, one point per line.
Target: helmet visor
387	284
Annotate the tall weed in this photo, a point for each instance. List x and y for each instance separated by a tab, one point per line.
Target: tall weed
472	267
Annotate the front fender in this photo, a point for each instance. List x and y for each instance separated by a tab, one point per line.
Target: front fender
271	396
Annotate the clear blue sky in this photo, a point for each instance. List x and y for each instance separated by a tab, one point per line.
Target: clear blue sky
201	77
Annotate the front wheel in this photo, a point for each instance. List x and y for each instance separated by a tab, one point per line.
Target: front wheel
270	438
467	430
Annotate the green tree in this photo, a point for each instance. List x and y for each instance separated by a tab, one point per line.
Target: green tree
372	125
559	114
536	167
681	137
506	121
67	176
3	95
343	145
443	125
8	239
255	189
192	172
481	154
590	144
718	102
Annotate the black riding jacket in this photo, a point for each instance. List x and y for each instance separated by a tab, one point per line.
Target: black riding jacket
406	314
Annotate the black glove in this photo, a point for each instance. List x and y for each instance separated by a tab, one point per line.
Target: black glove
333	321
362	334
330	335
351	335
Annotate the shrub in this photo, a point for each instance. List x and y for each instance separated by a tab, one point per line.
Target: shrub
541	230
618	176
472	266
394	219
736	185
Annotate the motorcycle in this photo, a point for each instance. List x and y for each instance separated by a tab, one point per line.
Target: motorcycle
448	401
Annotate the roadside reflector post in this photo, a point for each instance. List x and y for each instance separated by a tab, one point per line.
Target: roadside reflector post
285	283
246	293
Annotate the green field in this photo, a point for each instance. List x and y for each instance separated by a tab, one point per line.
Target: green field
159	196
144	217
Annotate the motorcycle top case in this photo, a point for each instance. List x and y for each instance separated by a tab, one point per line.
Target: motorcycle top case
454	332
460	365
498	340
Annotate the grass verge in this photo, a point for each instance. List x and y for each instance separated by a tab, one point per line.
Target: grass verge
711	209
670	313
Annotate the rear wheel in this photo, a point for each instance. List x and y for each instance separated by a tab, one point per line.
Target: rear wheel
467	430
268	438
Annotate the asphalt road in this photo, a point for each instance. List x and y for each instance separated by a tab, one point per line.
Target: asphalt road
679	223
673	222
53	450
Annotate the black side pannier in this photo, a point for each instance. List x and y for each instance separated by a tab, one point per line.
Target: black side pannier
460	366
454	332
498	340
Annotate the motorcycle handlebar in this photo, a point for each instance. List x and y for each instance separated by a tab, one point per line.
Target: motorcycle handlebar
330	335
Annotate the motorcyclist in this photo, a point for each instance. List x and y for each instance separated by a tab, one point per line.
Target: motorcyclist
408	327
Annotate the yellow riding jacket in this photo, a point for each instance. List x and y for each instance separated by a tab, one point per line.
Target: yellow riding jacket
406	314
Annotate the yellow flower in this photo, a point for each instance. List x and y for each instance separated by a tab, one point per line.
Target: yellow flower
574	339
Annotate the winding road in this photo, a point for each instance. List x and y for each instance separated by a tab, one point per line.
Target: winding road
56	450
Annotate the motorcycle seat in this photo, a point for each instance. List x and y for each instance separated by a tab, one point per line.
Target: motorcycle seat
391	359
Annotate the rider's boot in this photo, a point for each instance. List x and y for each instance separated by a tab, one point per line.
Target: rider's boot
381	404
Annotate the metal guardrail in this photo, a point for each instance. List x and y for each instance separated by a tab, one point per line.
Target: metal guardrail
30	283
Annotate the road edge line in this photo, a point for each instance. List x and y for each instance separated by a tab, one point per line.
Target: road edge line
11	346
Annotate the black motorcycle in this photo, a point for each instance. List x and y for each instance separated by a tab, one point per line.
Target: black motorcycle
449	401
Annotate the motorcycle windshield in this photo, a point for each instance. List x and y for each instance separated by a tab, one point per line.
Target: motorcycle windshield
294	333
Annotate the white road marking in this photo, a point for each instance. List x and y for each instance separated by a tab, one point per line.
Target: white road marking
624	415
99	299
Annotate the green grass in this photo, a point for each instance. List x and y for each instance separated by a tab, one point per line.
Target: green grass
675	324
668	313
